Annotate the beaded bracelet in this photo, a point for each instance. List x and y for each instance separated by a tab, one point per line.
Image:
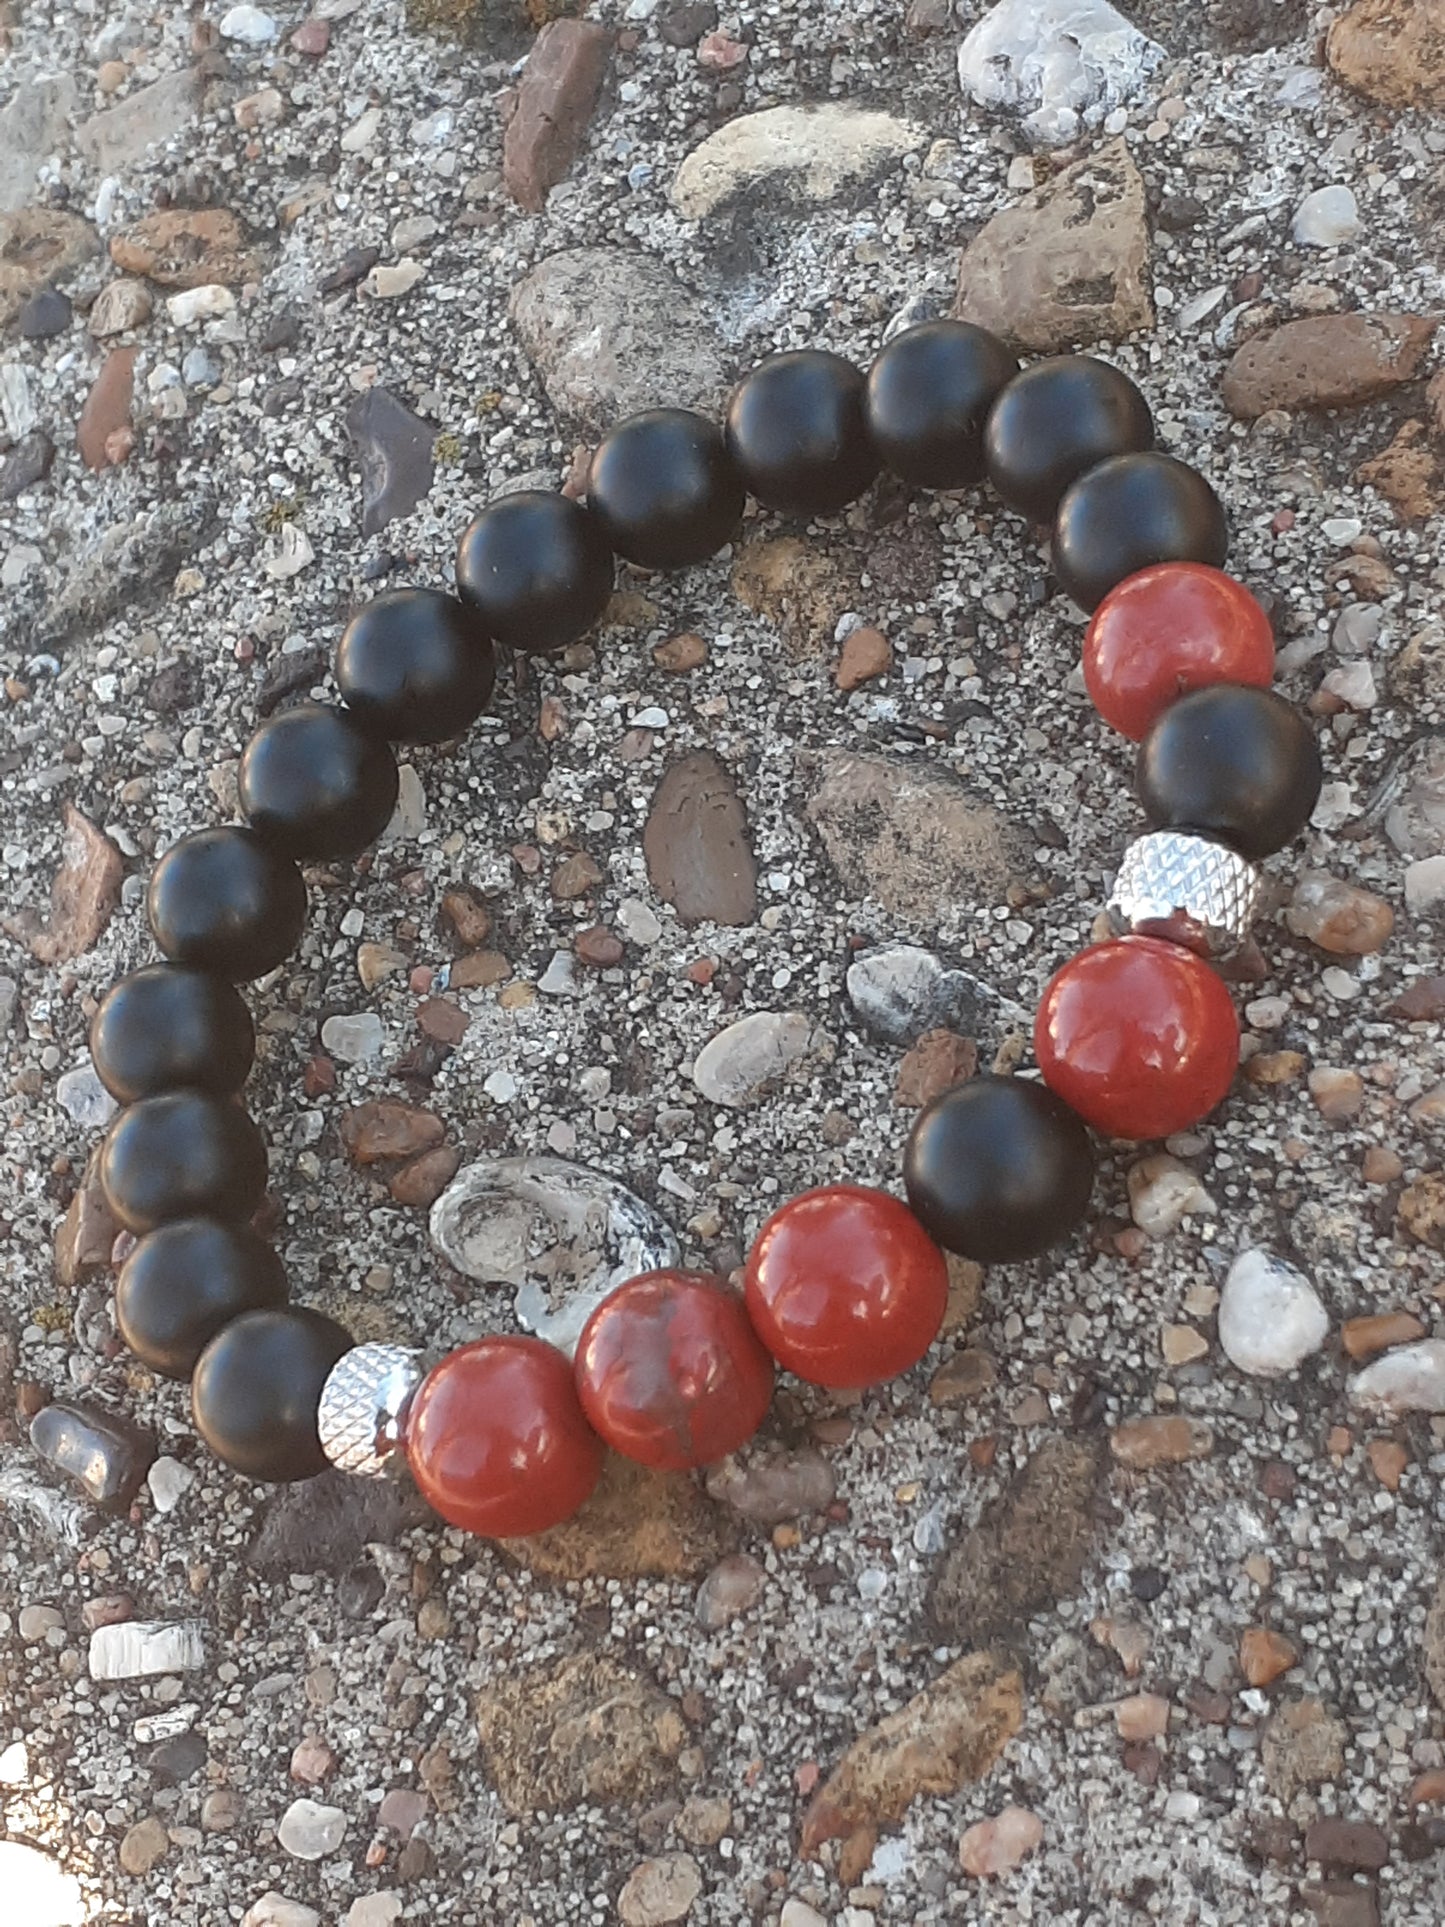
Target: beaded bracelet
1136	1037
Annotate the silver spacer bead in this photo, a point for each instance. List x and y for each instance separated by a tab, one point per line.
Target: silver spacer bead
1185	888
363	1404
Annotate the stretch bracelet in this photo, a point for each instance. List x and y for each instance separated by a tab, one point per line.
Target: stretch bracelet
1136	1037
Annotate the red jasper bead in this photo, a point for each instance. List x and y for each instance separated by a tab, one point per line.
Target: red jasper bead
1166	630
845	1287
671	1373
1138	1036
496	1439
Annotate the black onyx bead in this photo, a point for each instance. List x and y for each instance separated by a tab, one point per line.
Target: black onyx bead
1053	421
163	1027
186	1280
798	430
1129	512
998	1169
184	1154
257	1390
665	489
415	666
224	901
1232	762
315	784
536	568
929	394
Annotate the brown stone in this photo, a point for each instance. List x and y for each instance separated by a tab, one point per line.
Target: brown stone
1264	1655
939	1060
38	248
83	896
578	1730
638	1524
599	947
1381	1165
479	971
696	843
1407	473
1338	1094
144	1846
801	587
1145	1716
312	37
680	653
106	410
945	1738
1341	1903
87	1232
442	1020
1302	1746
1171	1440
1421	1002
1421	1209
187	248
1388	1460
468	918
1355	1844
422	1182
1429	1789
574	876
1340	917
384	1128
1272	1067
1363	1337
555	98
866	655
965	1376
1392	51
1067	266
1325	361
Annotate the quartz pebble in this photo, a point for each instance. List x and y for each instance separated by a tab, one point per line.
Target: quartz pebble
309	1831
997	1845
660	1892
1270	1316
144	1648
354	1039
275	1910
1163	1192
1061	64
169	1481
1340	917
735	1065
248	24
729	1590
34	1623
1326	218
1410	1379
374	1910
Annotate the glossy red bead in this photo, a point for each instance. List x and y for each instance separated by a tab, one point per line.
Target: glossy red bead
1166	630
671	1373
845	1287
497	1441
1138	1036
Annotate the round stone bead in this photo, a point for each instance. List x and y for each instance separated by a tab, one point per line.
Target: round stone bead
929	394
187	1279
1138	1036
671	1373
164	1026
497	1441
998	1169
845	1287
798	430
184	1154
1129	512
315	784
223	901
665	489
257	1390
537	569
1055	420
1165	630
415	666
1235	763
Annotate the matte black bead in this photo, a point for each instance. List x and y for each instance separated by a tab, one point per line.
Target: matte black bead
315	784
537	568
798	430
416	666
1129	512
929	395
998	1169
184	1281
665	489
1232	762
164	1026
224	901
257	1389
1053	421
184	1154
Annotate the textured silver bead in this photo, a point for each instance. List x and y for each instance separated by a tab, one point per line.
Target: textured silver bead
1194	892
363	1404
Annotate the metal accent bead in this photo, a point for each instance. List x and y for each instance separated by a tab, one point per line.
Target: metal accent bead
363	1405
1187	889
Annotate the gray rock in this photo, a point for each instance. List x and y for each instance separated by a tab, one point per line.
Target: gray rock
127	566
770	1487
806	154
116	137
1326	218
1270	1315
900	991
106	1457
394	449
1060	64
324	1524
32	129
46	313
610	332
354	1038
309	1831
146	1648
26	465
84	1099
169	1481
276	1910
729	1589
741	1060
1411	1378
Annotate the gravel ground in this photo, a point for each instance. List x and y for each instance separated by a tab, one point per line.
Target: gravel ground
508	1737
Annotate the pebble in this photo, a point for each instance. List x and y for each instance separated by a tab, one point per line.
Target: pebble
276	1910
208	302
773	1488
1264	1655
84	1099
901	991
146	1648
1390	54
47	313
806	154
388	281
729	1590
1160	1440
680	653
403	1811
554	101
939	1060
1163	1192
309	1831
1363	1337
640	923
1409	1379
1425	884
1337	1842
997	1845
1182	1345
248	24
1326	361
105	1456
1326	218
312	1760
1270	1316
1340	917
35	1622
1144	1716
106	410
374	1910
1338	1094
740	1061
797	1913
866	655
354	1039
696	843
1059	64
660	1892
169	1480
384	1128
143	1846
